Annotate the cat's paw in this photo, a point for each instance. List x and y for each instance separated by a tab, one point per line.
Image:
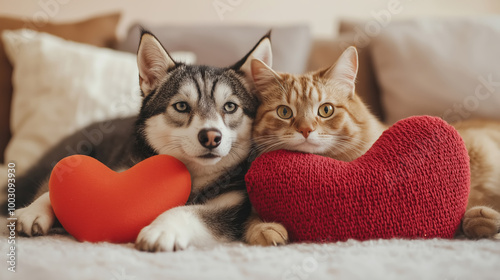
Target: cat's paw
267	234
37	218
481	222
174	230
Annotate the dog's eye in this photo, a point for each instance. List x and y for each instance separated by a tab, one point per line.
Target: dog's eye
181	107
230	107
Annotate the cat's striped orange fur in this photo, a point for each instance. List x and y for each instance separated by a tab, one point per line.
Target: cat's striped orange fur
320	113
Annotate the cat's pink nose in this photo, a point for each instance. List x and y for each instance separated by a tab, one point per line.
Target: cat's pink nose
305	131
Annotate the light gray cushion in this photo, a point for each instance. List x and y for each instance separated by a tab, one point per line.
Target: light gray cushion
218	45
447	67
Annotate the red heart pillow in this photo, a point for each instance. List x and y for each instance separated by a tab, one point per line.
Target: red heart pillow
94	203
412	183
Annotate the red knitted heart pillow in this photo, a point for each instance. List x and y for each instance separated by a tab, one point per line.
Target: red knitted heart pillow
412	183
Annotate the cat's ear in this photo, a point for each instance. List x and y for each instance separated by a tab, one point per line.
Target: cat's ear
262	51
262	74
153	61
344	72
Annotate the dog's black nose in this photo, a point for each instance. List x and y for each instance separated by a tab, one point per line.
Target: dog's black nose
210	138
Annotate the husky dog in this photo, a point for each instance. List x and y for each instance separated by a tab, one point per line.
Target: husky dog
199	114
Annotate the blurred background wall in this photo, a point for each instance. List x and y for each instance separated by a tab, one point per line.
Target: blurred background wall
321	15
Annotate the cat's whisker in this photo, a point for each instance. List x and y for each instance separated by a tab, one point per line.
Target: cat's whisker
348	149
350	138
351	145
355	146
340	154
270	147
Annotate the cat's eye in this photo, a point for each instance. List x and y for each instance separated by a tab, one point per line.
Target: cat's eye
325	110
284	112
181	107
230	107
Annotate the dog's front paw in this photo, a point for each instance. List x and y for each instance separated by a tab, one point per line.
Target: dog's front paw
162	238
481	222
267	234
37	218
174	230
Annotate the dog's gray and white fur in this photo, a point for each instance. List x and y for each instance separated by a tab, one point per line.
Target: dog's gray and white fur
199	114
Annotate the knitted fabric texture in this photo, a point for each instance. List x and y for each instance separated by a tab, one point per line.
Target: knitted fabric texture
413	183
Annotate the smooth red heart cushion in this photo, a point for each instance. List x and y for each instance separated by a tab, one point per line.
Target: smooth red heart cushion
94	203
413	183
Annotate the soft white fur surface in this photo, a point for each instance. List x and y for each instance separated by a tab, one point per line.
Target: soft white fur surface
61	257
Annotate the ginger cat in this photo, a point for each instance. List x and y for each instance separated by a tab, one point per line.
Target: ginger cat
320	113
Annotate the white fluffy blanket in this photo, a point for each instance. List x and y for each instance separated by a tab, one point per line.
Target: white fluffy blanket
61	257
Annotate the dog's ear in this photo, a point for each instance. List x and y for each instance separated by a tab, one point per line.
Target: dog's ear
153	61
261	51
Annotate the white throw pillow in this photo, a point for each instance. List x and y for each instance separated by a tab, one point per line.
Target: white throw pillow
448	68
61	86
